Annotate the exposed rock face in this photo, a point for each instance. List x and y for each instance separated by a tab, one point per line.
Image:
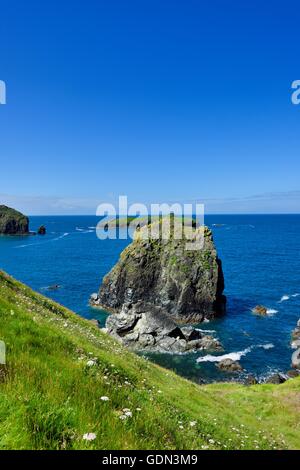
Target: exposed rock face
187	285
296	359
293	373
146	327
295	343
13	222
276	379
296	332
251	380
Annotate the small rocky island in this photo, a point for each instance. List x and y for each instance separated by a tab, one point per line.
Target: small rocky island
158	284
13	222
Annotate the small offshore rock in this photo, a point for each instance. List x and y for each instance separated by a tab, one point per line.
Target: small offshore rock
229	365
41	230
260	310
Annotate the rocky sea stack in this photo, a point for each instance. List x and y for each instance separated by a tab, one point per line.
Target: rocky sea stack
159	283
13	222
186	284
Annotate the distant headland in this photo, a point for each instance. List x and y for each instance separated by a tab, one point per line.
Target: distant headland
13	222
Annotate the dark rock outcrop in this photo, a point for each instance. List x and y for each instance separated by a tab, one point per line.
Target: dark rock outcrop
13	222
41	230
251	380
292	374
185	284
146	327
276	379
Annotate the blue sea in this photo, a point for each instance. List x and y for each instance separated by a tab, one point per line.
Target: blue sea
260	255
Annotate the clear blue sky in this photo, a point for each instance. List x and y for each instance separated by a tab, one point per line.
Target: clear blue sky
159	100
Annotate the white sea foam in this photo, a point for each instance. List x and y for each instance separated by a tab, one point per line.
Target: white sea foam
235	356
43	242
295	295
205	331
284	298
266	346
83	230
271	311
58	238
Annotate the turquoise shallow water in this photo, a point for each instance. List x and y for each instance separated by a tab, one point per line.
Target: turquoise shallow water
260	256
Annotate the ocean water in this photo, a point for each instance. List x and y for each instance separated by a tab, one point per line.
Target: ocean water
260	255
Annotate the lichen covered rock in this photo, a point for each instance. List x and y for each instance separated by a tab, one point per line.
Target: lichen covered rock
185	284
13	222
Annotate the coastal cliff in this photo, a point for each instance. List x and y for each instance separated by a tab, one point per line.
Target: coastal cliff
186	284
13	222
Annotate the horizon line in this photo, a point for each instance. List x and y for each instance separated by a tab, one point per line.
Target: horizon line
144	215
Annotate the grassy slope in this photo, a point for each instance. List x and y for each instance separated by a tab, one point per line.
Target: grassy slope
49	397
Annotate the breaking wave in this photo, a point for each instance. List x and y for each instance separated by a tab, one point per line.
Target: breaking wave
235	356
271	311
284	298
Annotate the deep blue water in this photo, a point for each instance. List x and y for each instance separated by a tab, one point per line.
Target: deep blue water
260	255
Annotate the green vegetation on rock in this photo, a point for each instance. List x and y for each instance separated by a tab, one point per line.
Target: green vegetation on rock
13	222
65	381
170	271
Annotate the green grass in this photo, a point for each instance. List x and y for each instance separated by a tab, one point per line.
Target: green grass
50	397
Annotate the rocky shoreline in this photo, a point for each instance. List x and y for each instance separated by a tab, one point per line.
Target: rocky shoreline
145	327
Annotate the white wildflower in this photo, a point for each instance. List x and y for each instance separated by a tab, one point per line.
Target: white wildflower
91	363
90	436
104	398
